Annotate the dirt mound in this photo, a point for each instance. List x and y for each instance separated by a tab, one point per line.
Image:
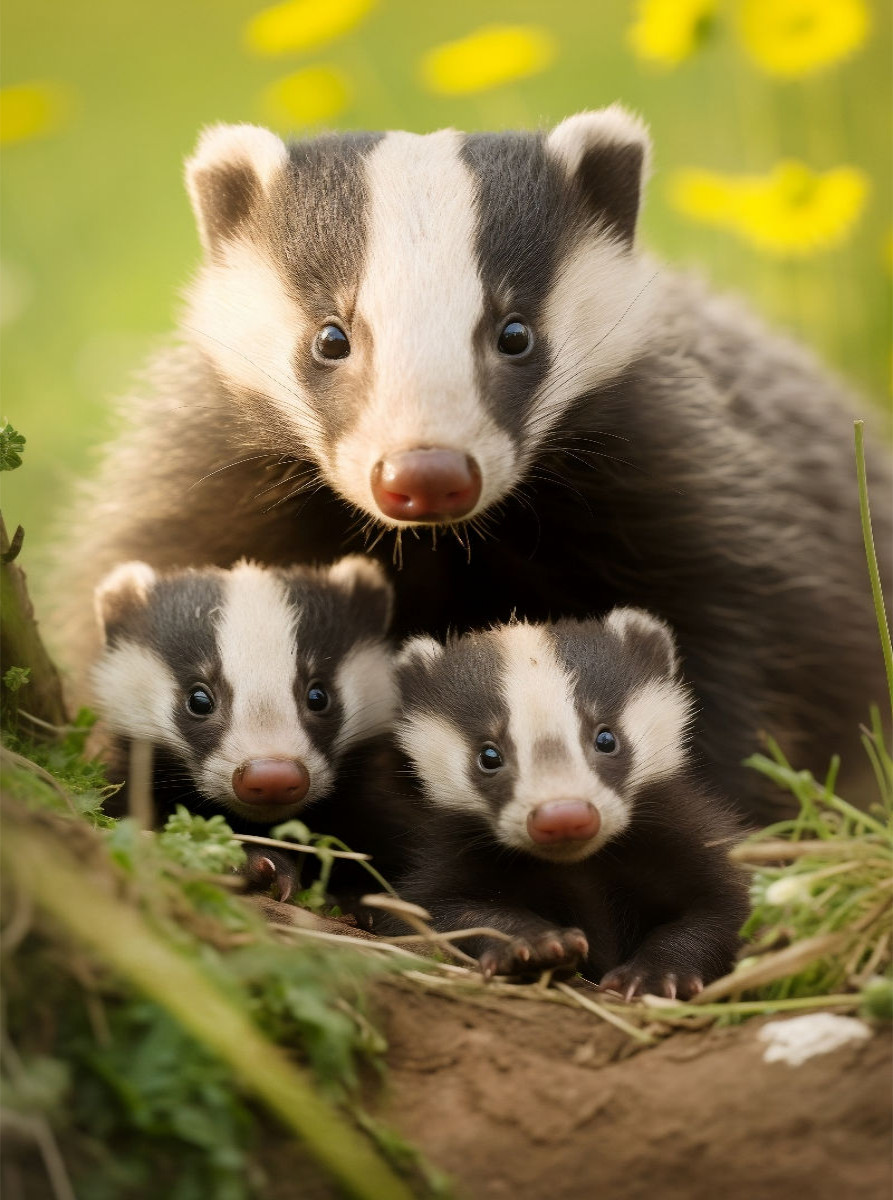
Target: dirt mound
530	1100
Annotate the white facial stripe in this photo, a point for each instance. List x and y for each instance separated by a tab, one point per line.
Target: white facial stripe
597	318
539	694
136	694
441	758
242	319
365	685
256	642
656	720
421	295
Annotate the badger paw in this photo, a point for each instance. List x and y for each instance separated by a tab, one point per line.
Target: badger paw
270	870
642	979
558	950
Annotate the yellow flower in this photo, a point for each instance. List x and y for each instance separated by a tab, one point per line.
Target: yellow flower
492	55
300	25
791	212
790	38
669	31
32	110
307	97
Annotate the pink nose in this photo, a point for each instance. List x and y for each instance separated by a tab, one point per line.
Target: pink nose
271	781
426	485
563	821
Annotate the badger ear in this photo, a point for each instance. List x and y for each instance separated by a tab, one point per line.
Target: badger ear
419	651
367	583
653	638
122	594
231	169
606	153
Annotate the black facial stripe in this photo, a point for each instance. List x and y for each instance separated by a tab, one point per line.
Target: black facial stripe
525	222
462	687
317	231
322	728
180	618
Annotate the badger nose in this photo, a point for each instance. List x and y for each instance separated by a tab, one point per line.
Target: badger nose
271	781
427	484
563	821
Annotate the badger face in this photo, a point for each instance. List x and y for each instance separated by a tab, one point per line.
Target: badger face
418	314
255	681
546	733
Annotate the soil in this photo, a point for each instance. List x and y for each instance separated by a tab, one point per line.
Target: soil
529	1100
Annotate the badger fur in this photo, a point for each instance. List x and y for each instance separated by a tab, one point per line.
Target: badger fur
256	687
448	349
559	806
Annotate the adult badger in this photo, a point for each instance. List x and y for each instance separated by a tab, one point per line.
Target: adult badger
453	336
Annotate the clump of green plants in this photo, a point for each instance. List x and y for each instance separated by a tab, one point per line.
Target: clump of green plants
150	1011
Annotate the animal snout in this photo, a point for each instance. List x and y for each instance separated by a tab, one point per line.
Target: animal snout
426	484
563	821
271	781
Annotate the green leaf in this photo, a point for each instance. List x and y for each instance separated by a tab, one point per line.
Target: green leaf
16	678
12	446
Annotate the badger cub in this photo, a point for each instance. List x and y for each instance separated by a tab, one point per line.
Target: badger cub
561	806
252	684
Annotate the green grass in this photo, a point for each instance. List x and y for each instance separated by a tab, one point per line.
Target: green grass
98	238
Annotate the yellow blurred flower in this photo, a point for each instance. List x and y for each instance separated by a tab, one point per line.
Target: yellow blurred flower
300	25
667	32
492	55
790	38
307	97
791	212
32	110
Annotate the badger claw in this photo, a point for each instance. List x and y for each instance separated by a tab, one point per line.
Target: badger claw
639	979
559	950
268	870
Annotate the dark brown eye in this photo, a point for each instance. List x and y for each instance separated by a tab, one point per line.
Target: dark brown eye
199	701
605	741
489	758
332	343
317	697
515	339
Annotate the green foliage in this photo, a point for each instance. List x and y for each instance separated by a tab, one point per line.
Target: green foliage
315	897
12	447
136	1103
16	678
200	843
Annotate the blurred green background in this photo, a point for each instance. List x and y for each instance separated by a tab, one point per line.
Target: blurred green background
97	236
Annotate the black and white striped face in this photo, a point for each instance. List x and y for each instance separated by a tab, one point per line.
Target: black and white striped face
418	314
256	680
546	732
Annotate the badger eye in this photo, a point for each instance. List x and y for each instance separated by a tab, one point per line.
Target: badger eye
489	758
516	338
317	697
605	741
199	701
331	342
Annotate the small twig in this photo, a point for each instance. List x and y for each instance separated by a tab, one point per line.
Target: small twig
369	944
409	915
140	804
776	965
57	729
256	839
38	1129
15	546
606	1014
483	931
19	760
760	852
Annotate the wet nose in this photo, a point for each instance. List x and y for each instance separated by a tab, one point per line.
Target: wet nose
427	484
271	781
563	821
